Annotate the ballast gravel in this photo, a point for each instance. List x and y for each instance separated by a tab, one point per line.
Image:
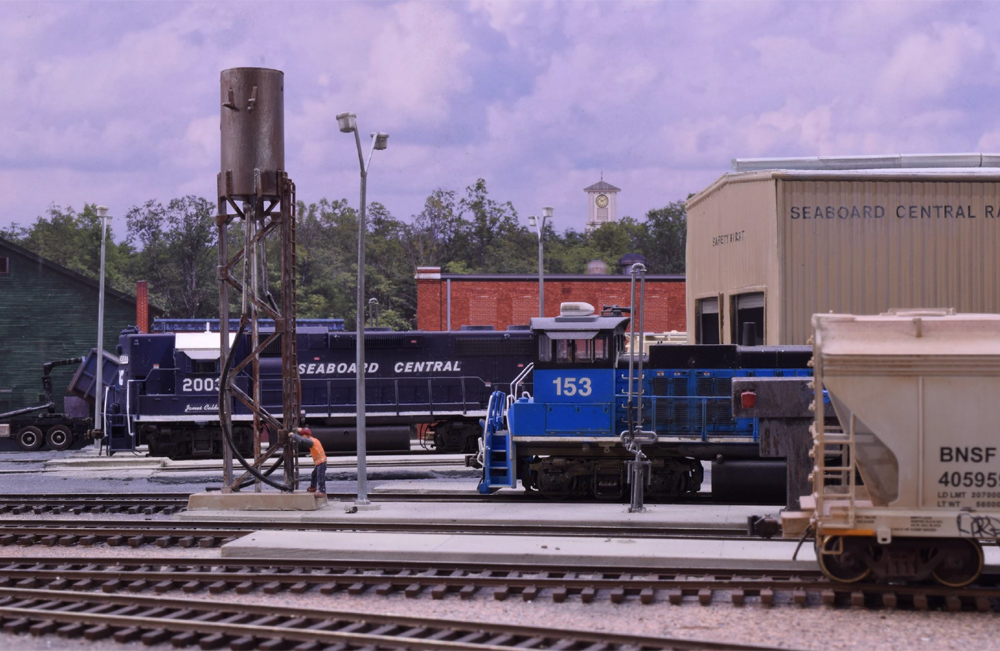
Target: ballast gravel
783	625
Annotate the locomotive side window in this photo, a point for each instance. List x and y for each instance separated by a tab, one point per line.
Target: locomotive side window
583	351
205	366
544	349
600	348
563	351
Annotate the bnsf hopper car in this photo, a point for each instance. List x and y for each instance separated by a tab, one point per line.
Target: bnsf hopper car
166	393
909	482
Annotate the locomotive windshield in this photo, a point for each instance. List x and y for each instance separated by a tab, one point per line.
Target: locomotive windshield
578	341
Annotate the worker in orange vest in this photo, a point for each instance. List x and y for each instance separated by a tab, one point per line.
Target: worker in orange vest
303	436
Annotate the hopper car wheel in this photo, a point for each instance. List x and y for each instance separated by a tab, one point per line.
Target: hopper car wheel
847	567
30	438
59	437
962	563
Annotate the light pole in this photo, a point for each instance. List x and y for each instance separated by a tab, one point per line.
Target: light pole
539	225
347	122
102	214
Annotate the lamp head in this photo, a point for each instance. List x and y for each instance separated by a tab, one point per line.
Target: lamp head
547	212
347	122
102	212
533	221
381	140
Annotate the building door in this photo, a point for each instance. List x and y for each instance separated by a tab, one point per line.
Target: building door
707	321
748	309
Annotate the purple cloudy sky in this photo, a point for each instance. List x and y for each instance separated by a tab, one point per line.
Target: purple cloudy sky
117	103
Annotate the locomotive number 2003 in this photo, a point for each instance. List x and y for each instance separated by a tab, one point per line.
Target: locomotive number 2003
199	385
572	386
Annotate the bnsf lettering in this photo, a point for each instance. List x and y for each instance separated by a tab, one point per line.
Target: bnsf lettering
967	455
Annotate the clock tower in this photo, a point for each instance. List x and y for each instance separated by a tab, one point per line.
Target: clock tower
602	204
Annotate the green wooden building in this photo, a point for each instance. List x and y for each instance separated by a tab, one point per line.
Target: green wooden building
48	312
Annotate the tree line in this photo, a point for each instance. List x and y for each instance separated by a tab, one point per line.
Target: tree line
173	246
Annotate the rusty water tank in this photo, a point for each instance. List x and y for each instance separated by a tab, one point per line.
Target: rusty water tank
253	131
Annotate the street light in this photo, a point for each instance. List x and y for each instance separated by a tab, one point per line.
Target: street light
102	214
348	123
539	225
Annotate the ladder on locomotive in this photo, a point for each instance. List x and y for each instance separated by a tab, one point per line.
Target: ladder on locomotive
496	446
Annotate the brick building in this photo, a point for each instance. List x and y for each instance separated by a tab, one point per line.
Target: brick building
450	301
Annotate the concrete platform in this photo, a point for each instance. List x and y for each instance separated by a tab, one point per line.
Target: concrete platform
649	553
683	515
250	501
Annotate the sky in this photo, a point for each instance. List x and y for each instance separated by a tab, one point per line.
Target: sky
118	103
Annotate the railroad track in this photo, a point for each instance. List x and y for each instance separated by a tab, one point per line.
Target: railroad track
214	624
496	581
77	504
171	503
169	533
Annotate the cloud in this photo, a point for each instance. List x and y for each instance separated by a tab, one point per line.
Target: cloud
928	65
119	102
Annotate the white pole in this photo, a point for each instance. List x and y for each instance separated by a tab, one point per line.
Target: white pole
102	213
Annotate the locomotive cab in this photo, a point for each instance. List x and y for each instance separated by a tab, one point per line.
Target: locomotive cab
576	356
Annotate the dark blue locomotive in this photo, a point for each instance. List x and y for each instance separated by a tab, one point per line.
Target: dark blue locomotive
166	392
565	440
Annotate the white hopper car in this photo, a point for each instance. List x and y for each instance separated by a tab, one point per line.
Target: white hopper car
916	394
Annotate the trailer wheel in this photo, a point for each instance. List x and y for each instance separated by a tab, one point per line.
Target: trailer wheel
842	558
30	438
962	563
59	437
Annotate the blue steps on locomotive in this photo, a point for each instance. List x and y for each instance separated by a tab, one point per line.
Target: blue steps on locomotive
498	449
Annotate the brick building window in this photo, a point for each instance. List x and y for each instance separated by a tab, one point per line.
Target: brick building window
523	309
482	310
4	266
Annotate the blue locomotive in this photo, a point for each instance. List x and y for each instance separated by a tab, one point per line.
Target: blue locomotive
438	383
566	440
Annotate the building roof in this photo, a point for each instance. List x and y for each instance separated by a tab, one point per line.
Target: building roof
952	174
58	268
602	186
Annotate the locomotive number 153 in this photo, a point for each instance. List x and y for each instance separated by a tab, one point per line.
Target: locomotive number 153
572	386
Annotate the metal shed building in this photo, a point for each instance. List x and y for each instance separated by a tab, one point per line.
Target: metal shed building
774	246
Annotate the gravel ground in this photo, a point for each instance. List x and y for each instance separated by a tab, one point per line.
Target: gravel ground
783	625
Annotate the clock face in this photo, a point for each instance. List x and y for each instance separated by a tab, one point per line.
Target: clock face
602	201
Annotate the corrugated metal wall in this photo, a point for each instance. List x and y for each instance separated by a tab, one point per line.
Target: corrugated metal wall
732	248
866	253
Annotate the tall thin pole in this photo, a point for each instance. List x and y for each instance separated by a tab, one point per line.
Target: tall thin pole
99	360
362	499
541	278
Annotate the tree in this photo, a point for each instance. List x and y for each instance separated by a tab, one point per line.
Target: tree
667	244
179	255
73	240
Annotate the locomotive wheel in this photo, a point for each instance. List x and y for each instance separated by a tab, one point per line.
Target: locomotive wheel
30	438
961	565
847	567
59	437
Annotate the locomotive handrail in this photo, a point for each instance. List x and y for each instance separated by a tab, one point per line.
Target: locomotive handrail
426	382
518	381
